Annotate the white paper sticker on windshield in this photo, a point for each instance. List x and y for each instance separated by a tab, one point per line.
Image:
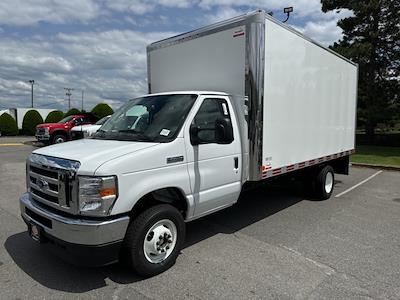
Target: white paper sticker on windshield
164	132
225	109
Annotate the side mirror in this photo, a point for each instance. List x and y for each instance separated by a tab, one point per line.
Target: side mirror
223	131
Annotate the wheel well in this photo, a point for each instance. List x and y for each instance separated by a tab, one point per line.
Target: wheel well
59	132
170	195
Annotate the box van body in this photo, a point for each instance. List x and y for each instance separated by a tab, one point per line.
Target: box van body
238	102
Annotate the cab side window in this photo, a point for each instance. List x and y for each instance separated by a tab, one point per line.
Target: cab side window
209	112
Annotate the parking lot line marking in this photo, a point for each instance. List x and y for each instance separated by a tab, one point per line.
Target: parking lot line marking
358	184
11	144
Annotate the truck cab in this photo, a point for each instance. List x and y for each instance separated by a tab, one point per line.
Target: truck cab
137	180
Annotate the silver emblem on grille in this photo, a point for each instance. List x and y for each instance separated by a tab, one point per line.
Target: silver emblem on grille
43	184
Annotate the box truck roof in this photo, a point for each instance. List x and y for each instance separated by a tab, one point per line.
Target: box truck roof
233	22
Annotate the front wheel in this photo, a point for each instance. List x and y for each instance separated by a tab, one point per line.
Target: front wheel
59	138
154	239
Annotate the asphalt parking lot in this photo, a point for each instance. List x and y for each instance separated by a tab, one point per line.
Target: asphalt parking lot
274	244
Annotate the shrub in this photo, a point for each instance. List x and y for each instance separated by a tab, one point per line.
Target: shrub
72	111
31	119
102	109
54	116
8	125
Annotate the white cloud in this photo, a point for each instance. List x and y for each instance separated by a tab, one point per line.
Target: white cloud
142	7
325	30
302	7
222	13
109	65
20	12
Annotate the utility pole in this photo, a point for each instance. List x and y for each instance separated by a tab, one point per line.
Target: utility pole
68	93
32	82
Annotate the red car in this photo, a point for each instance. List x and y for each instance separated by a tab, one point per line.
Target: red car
53	133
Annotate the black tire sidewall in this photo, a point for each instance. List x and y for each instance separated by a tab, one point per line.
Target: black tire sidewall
320	183
53	140
136	234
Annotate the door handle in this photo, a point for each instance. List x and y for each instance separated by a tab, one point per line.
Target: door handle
236	162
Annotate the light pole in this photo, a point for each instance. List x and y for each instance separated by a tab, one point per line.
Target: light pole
82	99
68	93
32	82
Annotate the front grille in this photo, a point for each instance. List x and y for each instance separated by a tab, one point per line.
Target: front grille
40	131
53	182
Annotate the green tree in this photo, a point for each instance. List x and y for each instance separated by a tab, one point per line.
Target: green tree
8	125
371	37
54	116
31	119
101	110
72	111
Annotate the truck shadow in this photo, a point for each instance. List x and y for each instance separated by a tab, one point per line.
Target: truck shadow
51	272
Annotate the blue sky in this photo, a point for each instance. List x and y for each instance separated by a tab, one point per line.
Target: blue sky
99	46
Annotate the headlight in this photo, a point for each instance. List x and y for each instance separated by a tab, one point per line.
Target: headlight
97	195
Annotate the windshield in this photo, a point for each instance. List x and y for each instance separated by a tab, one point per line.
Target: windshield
65	120
148	119
102	120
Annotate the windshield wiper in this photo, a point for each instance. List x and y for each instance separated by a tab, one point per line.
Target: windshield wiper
136	133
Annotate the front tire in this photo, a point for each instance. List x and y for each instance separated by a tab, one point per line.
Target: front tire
58	138
154	239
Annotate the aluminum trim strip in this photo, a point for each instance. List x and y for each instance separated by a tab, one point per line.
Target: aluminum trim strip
267	172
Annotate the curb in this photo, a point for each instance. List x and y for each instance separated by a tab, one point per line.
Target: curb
33	143
373	166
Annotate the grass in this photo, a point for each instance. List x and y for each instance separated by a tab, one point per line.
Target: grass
377	155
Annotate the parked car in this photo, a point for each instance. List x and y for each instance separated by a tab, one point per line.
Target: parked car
83	131
249	99
55	133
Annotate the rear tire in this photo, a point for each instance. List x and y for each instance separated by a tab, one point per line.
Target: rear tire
324	183
154	239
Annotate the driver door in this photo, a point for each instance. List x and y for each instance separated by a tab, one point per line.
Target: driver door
214	169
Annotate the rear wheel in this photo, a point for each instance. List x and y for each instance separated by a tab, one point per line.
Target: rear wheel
324	182
154	240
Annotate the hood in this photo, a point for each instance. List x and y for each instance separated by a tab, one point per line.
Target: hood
52	125
92	153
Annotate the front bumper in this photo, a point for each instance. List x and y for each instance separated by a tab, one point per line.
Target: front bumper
81	241
42	137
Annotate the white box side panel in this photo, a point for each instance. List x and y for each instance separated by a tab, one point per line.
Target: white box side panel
214	62
309	100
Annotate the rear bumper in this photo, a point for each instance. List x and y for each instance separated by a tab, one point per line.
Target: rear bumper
79	241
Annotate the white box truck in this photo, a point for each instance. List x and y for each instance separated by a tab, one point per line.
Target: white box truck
230	104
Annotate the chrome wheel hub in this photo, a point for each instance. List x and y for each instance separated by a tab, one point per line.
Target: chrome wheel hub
160	241
328	182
